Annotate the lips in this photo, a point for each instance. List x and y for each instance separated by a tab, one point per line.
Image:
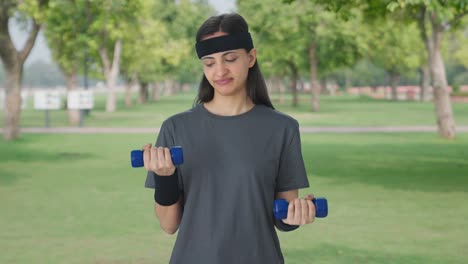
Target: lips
223	81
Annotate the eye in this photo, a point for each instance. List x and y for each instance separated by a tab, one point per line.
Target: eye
208	65
231	59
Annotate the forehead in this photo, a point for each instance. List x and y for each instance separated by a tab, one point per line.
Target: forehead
222	54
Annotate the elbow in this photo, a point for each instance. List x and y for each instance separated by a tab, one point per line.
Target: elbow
170	229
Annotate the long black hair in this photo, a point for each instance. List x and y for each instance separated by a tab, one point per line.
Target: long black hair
232	24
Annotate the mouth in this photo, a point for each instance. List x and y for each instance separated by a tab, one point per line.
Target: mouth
223	81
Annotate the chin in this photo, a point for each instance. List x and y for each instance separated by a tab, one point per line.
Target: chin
228	92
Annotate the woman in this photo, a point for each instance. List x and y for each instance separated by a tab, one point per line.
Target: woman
240	154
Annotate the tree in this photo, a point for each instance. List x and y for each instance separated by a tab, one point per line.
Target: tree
304	37
109	23
33	13
280	42
436	18
67	39
145	46
396	48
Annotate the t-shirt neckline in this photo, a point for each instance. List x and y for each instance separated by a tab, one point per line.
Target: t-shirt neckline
212	115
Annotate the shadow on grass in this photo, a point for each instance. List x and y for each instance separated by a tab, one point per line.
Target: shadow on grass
8	177
338	254
410	166
13	154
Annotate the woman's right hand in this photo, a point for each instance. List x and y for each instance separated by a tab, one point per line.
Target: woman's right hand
158	160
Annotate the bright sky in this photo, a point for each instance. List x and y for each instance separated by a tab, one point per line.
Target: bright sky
42	52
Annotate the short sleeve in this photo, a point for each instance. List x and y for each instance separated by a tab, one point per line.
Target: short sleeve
292	173
165	139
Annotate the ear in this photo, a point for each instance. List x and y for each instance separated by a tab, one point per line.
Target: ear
252	57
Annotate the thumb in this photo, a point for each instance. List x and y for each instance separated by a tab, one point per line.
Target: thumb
309	197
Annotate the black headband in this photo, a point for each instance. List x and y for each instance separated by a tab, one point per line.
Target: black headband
227	42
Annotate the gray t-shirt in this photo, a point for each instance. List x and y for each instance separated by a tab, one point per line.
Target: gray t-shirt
233	166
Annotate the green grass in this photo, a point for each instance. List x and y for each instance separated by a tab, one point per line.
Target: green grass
393	198
335	111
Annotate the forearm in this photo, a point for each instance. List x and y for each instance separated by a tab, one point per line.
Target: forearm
288	196
169	216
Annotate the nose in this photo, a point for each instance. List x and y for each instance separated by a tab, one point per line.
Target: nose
220	69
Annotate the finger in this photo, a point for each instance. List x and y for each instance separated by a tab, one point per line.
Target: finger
297	211
146	156
154	159
309	197
168	158
147	145
304	212
290	218
311	211
161	158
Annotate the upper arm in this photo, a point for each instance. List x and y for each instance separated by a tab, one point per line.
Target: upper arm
287	195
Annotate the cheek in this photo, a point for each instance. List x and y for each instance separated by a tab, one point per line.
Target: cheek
244	71
207	74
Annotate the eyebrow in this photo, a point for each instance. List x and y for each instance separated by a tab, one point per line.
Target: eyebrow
224	54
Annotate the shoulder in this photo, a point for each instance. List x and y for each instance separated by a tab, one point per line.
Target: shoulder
180	118
277	117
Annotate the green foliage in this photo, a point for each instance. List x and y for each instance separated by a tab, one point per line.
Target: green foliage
66	34
396	47
284	32
161	45
277	36
34	9
444	14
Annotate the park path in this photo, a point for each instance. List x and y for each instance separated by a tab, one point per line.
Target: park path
149	130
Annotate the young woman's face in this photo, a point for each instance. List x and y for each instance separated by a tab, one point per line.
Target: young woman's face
227	71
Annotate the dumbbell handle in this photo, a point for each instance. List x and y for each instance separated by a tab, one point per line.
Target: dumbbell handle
280	208
177	156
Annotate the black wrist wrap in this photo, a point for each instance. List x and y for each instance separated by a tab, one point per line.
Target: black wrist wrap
285	227
166	190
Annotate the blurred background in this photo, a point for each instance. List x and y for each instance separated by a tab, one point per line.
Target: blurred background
379	87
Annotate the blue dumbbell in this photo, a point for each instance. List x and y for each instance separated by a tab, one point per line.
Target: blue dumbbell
177	156
280	208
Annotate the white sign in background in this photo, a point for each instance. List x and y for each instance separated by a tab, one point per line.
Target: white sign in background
47	100
80	99
24	100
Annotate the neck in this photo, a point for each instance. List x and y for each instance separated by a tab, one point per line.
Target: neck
229	105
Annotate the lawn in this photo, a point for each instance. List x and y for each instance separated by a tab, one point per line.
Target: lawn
393	198
342	110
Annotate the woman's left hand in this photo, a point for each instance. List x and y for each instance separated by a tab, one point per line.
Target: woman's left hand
301	211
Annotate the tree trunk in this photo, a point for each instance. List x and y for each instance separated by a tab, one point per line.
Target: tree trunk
293	83
282	90
323	86
128	93
177	87
71	84
144	93
443	105
314	82
348	80
131	82
424	82
394	81
111	72
11	115
13	61
156	92
169	87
